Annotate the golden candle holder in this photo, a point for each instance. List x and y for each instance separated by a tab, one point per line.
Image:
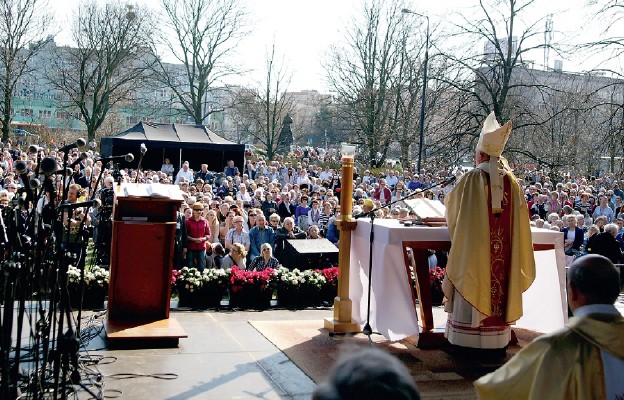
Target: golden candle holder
342	321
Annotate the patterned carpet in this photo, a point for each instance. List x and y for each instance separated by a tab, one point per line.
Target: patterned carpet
440	373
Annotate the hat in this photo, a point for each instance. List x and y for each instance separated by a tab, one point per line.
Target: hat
493	137
368	203
492	141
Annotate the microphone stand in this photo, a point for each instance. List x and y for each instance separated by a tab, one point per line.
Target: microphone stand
143	150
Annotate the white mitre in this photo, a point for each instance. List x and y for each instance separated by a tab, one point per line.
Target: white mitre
492	141
493	137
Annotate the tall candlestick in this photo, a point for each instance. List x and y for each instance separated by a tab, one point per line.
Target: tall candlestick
346	188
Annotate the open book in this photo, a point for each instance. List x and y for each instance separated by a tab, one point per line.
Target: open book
427	210
154	190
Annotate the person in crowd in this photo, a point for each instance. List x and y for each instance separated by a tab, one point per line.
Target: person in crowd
382	193
237	235
231	169
198	233
326	214
236	257
586	357
264	260
204	174
491	259
225	227
603	210
605	244
573	237
302	208
259	235
213	224
286	208
286	232
218	252
274	221
167	167
368	374
314	232
269	206
314	214
184	174
243	194
181	241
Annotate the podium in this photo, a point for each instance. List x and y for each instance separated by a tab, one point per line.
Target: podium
142	243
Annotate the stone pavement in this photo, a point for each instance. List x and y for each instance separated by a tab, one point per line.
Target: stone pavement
224	357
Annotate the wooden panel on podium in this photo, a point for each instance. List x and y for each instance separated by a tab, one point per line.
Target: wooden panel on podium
140	271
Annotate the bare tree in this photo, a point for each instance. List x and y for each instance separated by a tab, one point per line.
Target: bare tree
267	107
501	78
201	35
23	26
363	72
109	61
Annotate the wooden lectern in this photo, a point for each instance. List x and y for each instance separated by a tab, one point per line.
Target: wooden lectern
144	225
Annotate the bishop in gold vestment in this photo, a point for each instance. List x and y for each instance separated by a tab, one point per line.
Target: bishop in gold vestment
491	258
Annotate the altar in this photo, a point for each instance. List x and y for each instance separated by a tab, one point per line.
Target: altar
394	312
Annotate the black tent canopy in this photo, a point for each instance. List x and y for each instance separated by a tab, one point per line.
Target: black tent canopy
193	143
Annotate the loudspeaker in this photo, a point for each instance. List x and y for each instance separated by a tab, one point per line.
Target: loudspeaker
309	254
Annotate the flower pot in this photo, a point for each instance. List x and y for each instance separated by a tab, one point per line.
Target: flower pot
250	297
436	296
298	297
92	298
288	296
329	293
209	296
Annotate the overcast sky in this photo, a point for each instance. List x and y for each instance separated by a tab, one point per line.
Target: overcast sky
304	29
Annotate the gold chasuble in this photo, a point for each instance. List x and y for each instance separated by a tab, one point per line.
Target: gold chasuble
490	262
565	364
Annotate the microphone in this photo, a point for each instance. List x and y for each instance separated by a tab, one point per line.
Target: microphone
362	214
20	167
143	149
128	157
96	203
34	149
83	156
79	143
35	183
48	166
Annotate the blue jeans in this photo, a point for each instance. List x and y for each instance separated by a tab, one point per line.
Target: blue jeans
199	255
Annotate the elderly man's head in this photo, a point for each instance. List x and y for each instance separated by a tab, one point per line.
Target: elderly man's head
592	279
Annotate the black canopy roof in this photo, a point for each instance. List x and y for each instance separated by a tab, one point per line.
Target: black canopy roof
194	143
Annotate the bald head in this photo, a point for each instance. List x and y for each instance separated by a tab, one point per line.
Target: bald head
592	279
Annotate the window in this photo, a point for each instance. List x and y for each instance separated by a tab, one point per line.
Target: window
45	114
26	112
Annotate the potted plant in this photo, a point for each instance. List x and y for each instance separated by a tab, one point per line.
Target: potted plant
96	281
251	289
330	288
436	276
299	288
200	289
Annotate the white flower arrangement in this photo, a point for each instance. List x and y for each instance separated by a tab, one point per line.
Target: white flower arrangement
192	279
94	277
298	279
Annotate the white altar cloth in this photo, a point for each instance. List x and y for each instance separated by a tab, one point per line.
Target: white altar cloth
393	313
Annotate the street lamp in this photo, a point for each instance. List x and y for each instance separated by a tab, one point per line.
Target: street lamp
424	86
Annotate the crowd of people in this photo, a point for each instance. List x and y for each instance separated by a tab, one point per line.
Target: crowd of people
297	196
